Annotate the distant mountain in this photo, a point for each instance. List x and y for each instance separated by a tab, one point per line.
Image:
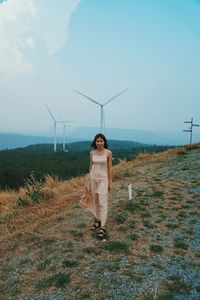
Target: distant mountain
112	144
138	135
10	141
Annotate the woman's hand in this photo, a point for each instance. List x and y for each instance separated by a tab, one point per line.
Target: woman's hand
110	186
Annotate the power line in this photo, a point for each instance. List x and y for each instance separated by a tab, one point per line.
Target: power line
190	128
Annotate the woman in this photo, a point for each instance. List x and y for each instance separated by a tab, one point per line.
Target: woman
95	197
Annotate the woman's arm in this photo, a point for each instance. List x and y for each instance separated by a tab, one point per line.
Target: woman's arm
90	162
110	171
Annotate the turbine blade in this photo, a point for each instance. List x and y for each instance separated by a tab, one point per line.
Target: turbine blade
50	113
94	101
115	96
67	121
61	118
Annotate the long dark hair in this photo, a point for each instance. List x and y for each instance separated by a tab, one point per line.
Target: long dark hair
99	135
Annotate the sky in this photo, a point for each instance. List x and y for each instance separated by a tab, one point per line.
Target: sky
50	48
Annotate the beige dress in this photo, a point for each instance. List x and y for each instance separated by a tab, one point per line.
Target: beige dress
95	196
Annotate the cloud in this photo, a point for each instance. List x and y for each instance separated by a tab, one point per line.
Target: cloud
28	25
54	29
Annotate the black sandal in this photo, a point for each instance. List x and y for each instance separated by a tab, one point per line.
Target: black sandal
96	225
102	233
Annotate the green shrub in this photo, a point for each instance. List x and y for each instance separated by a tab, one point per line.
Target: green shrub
116	246
70	263
35	192
121	218
148	224
157	193
81	225
131	223
172	225
58	280
41	266
132	206
133	236
22	201
77	233
156	248
198	288
1	286
90	250
181	245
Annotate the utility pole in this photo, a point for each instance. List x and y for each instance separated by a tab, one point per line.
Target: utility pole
190	129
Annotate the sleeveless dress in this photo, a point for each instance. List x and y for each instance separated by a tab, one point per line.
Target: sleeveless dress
96	188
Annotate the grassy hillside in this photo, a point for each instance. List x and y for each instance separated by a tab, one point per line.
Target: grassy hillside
152	249
18	164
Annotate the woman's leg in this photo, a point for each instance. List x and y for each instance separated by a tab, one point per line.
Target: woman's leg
103	203
97	207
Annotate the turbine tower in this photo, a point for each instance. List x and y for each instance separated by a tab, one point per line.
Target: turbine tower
64	132
101	105
55	124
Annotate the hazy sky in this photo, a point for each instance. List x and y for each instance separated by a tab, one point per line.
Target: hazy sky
99	47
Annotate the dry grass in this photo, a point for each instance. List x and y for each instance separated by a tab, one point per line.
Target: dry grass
17	221
53	237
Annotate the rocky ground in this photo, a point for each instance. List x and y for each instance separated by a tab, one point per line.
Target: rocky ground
152	250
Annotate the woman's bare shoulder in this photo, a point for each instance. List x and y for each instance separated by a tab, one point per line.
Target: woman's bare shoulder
109	153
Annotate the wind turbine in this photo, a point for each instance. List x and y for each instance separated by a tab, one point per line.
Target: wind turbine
55	123
64	131
55	131
100	104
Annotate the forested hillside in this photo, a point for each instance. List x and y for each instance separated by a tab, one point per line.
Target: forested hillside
40	160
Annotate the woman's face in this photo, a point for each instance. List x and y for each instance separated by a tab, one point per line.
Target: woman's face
99	143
